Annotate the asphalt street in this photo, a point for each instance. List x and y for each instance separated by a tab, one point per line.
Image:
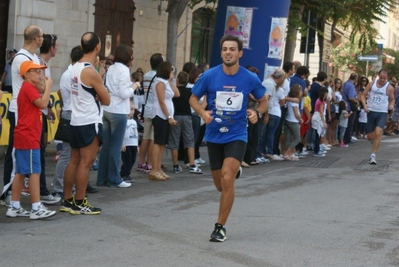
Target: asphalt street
331	211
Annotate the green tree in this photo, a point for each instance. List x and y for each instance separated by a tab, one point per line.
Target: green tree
358	16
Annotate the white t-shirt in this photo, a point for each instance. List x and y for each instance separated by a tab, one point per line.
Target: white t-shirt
15	74
131	133
290	116
274	103
117	81
156	108
65	88
338	98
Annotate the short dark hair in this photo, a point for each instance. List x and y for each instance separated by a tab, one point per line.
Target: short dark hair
182	78
155	60
321	76
49	40
383	70
353	76
164	69
287	66
76	53
188	66
89	41
230	37
302	70
193	75
123	54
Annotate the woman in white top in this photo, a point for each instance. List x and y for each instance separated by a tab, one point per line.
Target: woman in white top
162	116
121	89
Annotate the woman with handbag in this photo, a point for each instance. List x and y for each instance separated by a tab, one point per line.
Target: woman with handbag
121	89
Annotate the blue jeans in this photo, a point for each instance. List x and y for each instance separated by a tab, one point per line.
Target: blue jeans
114	126
270	130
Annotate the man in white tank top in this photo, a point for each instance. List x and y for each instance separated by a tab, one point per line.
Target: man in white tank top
380	99
88	93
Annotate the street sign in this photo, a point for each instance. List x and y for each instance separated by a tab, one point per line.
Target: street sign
371	58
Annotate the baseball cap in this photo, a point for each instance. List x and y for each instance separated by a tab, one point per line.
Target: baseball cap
13	51
27	65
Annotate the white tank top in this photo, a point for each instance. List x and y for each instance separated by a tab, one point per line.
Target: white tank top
85	108
378	98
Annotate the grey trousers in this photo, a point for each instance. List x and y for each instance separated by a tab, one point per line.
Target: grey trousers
58	183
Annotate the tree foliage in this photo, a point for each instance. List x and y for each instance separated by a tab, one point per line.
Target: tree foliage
356	16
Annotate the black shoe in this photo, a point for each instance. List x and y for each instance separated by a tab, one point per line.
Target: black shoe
218	234
66	205
84	208
128	179
90	189
239	172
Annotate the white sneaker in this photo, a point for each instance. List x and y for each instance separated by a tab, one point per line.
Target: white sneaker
304	152
195	170
41	213
199	161
277	157
324	147
239	172
13	212
373	159
50	199
124	185
354	138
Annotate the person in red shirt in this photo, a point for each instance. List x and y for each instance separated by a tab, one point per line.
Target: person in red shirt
33	96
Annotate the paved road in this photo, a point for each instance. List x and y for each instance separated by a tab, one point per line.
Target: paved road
332	211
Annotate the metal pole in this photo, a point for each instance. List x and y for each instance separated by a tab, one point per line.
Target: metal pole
367	69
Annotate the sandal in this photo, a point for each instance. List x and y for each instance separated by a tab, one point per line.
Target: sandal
244	164
165	175
156	176
254	163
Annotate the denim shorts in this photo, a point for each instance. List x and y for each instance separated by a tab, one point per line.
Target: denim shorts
376	119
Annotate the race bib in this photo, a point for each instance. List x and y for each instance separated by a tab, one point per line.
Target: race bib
376	99
229	101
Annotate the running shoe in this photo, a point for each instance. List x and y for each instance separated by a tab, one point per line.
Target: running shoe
218	234
196	170
41	213
84	208
373	159
13	212
66	205
320	154
49	199
177	169
239	172
199	161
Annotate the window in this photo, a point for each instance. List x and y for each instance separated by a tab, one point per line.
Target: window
202	35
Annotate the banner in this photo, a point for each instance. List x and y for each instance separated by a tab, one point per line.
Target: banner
238	23
277	37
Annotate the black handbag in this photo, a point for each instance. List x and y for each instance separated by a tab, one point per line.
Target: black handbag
63	130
